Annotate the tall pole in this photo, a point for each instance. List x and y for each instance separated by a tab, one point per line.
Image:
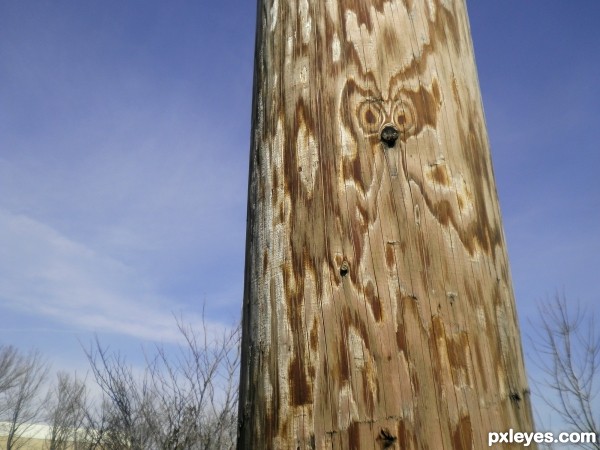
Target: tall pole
378	306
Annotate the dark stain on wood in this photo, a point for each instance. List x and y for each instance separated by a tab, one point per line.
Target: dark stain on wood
390	258
443	212
462	437
314	335
374	301
440	174
301	392
354	440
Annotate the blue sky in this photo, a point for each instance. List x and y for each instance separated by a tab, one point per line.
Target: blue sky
124	142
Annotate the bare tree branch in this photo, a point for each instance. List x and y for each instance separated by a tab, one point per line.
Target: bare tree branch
567	351
11	367
185	399
125	396
67	413
20	401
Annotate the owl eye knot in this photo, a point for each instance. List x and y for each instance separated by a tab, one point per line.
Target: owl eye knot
370	115
404	117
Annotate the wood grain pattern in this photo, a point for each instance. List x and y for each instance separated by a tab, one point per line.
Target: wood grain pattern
378	306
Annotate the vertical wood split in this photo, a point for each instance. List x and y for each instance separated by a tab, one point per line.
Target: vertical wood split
378	306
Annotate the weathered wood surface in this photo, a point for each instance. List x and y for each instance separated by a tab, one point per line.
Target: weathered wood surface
378	307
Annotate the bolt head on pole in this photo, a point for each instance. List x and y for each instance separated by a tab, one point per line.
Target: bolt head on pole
389	135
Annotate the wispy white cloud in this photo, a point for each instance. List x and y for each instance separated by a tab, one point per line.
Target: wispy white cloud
48	274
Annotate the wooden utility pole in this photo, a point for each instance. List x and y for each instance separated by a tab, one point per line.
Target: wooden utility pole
378	306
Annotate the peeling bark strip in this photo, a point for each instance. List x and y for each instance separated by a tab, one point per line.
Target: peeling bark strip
378	307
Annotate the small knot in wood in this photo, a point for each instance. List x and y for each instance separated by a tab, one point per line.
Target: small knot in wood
389	135
344	268
386	437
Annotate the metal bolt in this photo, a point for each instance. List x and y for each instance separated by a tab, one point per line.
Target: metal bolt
389	135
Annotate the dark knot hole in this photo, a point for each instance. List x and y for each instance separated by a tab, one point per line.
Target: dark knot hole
344	268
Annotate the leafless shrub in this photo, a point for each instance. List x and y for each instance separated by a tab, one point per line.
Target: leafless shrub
123	420
21	378
567	350
68	415
186	400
